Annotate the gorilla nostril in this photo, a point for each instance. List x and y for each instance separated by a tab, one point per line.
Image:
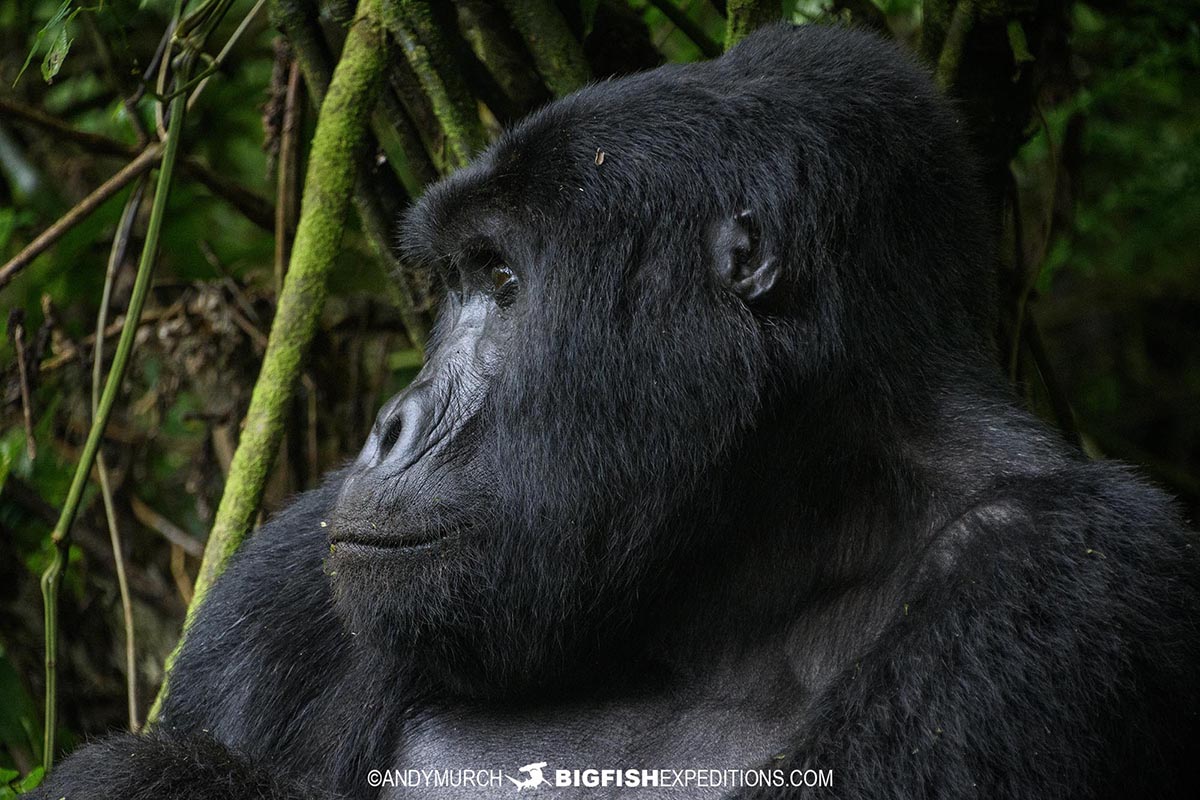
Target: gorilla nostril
391	433
401	430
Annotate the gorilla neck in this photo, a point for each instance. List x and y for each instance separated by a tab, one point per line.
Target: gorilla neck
791	582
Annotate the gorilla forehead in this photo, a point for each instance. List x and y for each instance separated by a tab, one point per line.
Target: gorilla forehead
839	109
618	149
835	139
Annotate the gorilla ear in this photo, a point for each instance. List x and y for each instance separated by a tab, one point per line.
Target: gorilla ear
742	260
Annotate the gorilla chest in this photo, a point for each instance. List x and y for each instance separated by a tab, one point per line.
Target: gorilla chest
590	750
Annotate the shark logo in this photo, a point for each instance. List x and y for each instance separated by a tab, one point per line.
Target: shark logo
535	779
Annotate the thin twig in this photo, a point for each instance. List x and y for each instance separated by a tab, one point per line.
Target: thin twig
94	546
156	62
16	328
62	530
92	142
116	257
71	349
161	77
254	207
221	56
165	528
251	205
183	583
287	183
139	166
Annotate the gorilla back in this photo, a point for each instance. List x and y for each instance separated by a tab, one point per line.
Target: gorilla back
709	468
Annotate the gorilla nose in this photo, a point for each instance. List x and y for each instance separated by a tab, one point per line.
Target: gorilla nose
401	432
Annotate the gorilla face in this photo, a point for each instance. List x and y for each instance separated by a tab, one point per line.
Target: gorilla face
515	506
644	282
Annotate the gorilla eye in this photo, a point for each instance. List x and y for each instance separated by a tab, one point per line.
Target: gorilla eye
504	284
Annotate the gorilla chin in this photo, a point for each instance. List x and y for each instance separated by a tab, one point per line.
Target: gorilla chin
450	598
427	554
458	615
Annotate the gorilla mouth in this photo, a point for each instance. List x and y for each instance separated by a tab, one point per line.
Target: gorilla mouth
407	541
413	540
361	522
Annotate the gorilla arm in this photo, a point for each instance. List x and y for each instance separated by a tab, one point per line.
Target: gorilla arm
132	767
264	676
1055	643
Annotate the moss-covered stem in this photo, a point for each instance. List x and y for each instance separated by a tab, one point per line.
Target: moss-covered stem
298	20
556	53
688	27
955	40
337	150
491	34
426	48
743	16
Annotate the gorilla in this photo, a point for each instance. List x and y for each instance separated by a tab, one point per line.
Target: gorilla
710	486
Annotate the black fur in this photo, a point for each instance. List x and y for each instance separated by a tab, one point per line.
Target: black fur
804	526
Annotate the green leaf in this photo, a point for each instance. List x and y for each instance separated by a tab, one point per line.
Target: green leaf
57	53
1018	43
31	781
8	775
59	19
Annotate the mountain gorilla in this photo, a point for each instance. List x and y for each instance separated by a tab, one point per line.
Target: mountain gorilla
710	467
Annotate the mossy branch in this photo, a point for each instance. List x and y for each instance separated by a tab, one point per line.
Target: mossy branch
954	42
490	32
688	27
337	150
428	51
743	16
297	19
556	53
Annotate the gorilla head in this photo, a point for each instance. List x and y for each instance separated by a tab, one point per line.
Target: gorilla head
674	303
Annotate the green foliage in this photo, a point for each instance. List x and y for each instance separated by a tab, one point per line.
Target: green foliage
54	40
1121	281
17	785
